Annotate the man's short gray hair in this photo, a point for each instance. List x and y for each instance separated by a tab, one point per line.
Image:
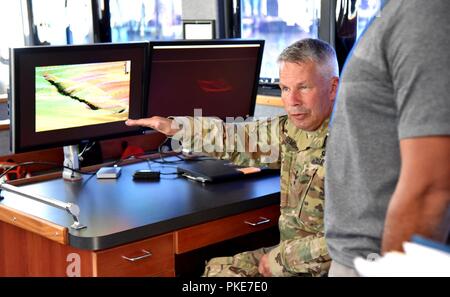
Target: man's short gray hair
314	50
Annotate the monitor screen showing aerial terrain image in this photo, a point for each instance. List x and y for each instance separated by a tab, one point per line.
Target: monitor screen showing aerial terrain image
81	94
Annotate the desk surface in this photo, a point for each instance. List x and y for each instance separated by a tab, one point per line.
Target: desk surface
121	211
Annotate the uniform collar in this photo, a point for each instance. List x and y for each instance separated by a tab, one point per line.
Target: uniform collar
308	139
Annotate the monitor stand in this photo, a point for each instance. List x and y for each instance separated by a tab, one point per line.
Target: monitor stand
71	161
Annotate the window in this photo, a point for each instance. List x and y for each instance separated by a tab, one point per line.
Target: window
279	23
12	35
67	22
367	10
133	20
352	18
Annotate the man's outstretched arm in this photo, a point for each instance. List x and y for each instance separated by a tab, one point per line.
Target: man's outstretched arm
160	124
420	204
254	143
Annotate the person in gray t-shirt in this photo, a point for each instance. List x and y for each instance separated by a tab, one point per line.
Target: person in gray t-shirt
388	155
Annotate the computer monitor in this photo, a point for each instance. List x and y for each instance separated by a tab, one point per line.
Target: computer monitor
220	77
62	95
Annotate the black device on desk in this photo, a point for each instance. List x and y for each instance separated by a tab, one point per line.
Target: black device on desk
214	170
145	174
209	170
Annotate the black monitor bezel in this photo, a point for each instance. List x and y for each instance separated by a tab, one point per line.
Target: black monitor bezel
194	42
16	54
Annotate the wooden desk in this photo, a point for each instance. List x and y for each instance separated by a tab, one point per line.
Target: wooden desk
133	228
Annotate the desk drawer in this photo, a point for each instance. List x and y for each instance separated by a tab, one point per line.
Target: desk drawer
198	236
143	258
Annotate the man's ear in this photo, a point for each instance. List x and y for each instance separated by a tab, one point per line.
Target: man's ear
334	87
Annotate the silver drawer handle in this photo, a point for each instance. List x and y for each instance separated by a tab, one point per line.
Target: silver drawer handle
146	255
262	220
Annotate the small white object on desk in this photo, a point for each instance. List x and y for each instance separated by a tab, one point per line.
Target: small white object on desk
109	172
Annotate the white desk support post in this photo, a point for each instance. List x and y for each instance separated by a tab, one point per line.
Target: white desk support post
71	160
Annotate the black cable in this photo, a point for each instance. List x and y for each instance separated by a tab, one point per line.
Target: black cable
136	156
56	165
117	162
148	160
161	154
86	149
168	173
163	161
87	180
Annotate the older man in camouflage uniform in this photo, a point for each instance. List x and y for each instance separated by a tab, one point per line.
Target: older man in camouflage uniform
296	143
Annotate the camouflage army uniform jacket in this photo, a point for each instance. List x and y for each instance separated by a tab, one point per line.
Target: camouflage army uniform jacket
300	155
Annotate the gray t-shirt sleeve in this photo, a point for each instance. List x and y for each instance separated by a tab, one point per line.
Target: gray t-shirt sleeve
421	68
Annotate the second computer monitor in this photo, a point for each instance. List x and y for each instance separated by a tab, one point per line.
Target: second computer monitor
220	77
